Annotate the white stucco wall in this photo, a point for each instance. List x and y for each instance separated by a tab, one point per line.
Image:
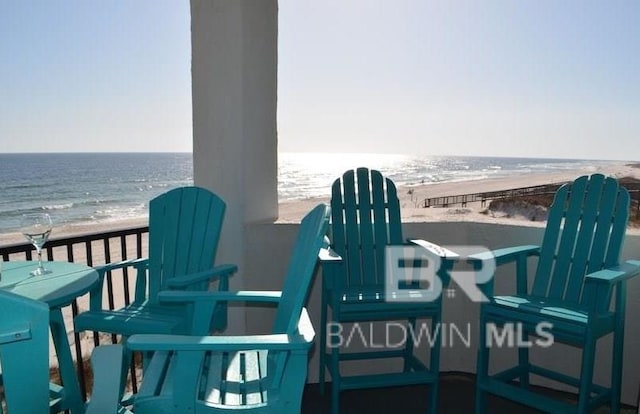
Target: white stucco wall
271	244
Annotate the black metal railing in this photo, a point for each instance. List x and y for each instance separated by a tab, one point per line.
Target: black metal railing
90	249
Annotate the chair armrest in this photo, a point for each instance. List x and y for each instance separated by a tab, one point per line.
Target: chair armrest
180	296
183	281
517	254
95	294
447	257
434	249
300	341
137	263
216	343
330	261
328	255
507	254
615	274
599	286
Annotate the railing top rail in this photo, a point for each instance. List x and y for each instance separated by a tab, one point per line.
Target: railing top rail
82	238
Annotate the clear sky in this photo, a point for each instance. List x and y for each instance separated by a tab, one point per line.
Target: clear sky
540	78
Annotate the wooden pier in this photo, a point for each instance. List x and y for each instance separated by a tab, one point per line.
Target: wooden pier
463	199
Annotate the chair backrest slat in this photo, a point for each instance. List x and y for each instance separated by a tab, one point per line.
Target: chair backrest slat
380	200
603	226
593	233
338	230
568	235
584	233
367	238
394	216
351	248
618	229
550	241
365	220
164	212
184	231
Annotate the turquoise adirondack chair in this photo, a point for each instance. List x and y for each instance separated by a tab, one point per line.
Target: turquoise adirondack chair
365	220
24	358
577	275
184	230
252	373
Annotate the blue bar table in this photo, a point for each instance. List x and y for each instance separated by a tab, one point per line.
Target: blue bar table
58	289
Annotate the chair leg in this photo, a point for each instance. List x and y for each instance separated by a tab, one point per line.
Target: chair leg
523	362
334	370
71	397
482	369
586	372
434	362
408	346
616	368
335	397
433	398
125	370
323	344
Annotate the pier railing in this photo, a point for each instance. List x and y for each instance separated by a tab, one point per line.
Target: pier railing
546	189
90	249
463	199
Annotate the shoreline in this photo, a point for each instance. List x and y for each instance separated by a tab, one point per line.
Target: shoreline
411	198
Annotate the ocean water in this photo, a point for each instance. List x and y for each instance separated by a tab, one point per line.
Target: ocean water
102	187
303	175
81	188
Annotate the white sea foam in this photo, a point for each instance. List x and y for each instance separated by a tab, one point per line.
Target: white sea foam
58	206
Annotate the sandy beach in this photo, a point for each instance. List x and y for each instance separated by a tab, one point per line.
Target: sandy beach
411	197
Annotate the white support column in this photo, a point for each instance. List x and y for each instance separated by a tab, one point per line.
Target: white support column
234	76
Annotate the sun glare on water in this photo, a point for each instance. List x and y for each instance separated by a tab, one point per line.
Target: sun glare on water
314	172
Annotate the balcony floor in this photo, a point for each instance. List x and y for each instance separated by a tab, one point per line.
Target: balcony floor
456	396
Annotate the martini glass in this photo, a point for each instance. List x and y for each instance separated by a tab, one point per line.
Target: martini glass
36	228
